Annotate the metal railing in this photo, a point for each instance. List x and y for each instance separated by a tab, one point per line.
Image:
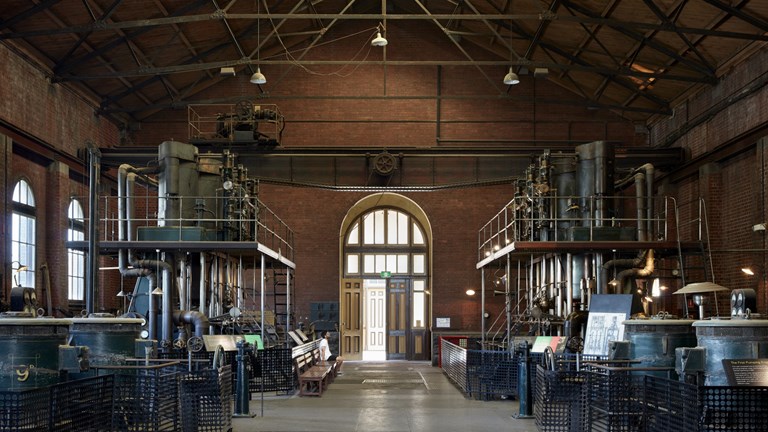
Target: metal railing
586	219
201	219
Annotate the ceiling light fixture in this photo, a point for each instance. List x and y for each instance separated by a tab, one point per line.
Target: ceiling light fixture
511	77
258	77
379	40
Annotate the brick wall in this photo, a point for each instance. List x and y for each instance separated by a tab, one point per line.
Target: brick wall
733	188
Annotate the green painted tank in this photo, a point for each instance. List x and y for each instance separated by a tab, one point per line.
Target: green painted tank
109	340
653	342
732	339
29	350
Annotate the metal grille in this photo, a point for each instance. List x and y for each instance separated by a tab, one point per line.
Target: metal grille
273	367
559	401
454	361
612	402
146	399
205	398
82	405
491	374
670	406
734	409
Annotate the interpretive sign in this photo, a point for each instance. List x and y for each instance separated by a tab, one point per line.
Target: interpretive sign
746	372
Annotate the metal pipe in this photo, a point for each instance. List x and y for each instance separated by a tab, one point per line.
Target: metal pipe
203	278
263	289
93	227
194	318
167	272
482	308
570	279
288	300
640	202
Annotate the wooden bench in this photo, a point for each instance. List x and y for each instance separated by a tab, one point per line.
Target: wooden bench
314	376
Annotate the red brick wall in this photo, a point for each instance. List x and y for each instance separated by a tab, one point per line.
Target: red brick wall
455	217
54	116
397	105
734	188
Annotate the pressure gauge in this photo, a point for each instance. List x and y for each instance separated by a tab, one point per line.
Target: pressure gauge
228	185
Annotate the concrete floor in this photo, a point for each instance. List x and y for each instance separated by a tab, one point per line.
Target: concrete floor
384	396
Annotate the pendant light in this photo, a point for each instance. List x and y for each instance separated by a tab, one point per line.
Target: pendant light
258	77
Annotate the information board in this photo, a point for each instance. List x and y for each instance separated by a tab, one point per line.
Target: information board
746	372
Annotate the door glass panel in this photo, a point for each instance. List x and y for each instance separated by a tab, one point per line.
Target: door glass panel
380	263
369	263
392	263
353	263
418	263
402	263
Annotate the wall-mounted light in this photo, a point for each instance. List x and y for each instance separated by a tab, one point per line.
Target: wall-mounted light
470	292
748	271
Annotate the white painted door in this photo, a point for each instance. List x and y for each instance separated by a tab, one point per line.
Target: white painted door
375	320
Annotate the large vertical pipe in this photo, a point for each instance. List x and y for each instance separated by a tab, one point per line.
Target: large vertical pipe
508	298
482	308
263	293
167	311
203	280
570	283
640	202
94	181
288	300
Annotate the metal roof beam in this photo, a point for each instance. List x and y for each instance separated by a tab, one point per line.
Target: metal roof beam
27	13
181	19
75	61
650	42
750	18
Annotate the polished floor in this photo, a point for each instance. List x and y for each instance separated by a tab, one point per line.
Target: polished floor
394	396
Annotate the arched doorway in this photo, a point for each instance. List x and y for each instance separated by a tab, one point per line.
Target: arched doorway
385	262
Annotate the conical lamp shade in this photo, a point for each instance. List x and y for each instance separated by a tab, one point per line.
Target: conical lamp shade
258	77
511	78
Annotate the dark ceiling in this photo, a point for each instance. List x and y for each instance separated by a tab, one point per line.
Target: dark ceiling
635	57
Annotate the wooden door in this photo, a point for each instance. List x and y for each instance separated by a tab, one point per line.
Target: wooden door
397	318
375	318
351	337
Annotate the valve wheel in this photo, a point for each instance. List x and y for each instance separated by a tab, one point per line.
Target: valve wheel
178	344
195	344
384	163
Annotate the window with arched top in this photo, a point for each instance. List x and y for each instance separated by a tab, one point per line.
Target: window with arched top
23	234
75	257
385	240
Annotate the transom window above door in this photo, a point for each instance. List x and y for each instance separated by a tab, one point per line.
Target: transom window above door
385	240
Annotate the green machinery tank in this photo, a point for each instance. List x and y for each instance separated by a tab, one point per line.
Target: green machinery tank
653	341
109	340
29	350
730	339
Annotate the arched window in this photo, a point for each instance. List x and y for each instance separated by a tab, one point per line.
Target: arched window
23	234
385	240
75	258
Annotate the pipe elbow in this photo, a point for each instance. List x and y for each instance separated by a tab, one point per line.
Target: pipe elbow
194	318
